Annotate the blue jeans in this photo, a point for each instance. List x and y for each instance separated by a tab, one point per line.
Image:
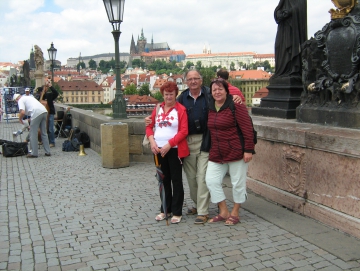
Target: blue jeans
51	129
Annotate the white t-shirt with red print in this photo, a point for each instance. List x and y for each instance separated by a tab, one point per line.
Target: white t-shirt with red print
166	126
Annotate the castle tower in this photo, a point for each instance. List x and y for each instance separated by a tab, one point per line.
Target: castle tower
204	49
132	46
141	43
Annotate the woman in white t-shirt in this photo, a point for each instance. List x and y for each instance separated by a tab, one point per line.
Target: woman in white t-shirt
169	144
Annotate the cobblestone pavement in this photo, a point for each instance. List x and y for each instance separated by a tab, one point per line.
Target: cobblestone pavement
67	212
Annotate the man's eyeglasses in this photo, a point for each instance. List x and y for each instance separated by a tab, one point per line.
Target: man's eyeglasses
193	79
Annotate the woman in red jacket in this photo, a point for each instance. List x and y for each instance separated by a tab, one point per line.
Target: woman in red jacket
168	142
227	153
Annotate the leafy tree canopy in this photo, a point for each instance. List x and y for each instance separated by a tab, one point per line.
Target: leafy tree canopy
161	67
92	64
144	90
158	96
207	74
105	66
130	90
138	63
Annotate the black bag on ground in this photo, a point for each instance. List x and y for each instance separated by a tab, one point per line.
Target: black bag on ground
71	145
13	149
83	139
3	141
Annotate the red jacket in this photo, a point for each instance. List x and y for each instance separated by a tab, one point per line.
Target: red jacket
235	91
179	139
225	141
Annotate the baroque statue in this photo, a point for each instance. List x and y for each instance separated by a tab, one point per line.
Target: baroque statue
39	59
285	86
291	17
330	73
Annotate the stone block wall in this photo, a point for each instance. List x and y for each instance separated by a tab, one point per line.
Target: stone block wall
311	169
90	123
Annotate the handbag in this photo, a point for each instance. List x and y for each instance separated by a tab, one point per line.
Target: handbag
13	149
146	141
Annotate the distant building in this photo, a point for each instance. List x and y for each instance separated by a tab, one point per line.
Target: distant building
261	93
72	61
139	105
240	59
221	59
81	92
265	57
143	47
250	82
109	89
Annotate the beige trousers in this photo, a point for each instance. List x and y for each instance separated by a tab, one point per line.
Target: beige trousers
195	166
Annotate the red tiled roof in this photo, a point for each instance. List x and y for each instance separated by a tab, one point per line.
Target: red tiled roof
263	92
250	75
264	56
222	54
76	85
163	53
137	99
159	83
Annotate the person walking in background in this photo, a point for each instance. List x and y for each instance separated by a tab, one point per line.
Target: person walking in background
224	74
168	142
27	92
226	153
31	107
50	95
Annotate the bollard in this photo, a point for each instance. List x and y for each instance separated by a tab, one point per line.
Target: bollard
114	145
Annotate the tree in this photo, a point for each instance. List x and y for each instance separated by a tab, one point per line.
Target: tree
92	64
105	66
189	64
266	65
60	97
232	66
208	74
144	90
158	96
80	64
130	90
138	63
198	65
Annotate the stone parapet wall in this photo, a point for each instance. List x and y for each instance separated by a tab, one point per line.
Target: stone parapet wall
311	169
90	123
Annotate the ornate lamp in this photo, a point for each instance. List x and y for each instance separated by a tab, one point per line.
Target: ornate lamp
52	56
115	13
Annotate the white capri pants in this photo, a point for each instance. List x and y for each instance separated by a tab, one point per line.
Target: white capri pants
214	177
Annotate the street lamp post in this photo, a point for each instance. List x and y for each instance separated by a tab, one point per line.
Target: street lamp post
52	56
115	13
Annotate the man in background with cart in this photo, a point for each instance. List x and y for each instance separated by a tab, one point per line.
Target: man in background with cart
31	107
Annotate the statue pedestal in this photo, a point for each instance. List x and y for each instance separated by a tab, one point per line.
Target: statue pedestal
339	117
282	100
39	78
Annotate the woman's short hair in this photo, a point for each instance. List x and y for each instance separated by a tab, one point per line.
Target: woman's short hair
220	82
169	86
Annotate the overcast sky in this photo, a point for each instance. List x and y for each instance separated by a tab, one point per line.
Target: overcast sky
82	25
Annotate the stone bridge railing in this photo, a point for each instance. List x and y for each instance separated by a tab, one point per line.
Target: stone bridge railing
311	169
